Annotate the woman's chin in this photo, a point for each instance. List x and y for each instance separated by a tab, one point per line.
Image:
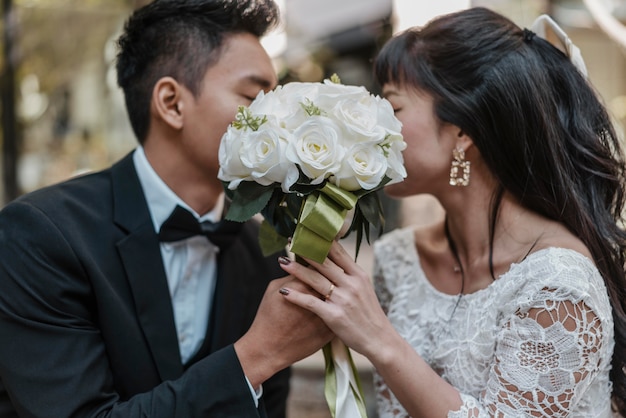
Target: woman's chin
397	191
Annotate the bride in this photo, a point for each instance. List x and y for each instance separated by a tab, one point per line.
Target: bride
513	305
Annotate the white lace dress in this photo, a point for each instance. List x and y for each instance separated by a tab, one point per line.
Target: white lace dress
489	345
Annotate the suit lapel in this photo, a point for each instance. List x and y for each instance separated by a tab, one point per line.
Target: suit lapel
141	256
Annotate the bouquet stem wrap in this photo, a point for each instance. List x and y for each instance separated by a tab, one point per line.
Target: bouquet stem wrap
342	389
321	218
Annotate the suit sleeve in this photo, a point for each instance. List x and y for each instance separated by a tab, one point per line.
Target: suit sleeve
276	389
53	361
275	393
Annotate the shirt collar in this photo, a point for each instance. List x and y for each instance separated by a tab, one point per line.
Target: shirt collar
160	198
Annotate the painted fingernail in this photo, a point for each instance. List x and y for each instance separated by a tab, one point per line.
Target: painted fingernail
283	291
284	260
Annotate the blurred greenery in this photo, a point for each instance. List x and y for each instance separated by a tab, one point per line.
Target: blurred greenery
51	43
53	37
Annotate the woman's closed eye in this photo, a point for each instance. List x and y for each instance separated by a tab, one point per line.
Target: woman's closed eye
248	99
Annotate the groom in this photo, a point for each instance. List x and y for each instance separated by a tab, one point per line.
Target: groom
107	306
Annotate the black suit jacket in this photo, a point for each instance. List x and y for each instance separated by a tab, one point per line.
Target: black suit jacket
86	322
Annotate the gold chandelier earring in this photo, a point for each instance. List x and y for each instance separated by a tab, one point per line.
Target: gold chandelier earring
460	169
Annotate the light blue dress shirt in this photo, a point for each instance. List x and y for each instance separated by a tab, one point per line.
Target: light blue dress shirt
190	264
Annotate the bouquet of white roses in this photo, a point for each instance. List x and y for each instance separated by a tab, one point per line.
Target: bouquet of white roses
303	155
306	153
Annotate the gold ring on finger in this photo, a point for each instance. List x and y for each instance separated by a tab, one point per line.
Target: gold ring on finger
330	291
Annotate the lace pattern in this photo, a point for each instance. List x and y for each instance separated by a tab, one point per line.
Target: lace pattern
543	347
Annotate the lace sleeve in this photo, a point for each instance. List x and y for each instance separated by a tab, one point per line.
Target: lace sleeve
382	291
390	254
547	354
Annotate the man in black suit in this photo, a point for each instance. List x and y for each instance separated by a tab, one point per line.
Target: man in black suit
107	307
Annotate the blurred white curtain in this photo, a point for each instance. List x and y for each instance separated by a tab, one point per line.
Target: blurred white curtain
417	12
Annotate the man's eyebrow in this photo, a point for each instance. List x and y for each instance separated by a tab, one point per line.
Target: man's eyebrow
260	81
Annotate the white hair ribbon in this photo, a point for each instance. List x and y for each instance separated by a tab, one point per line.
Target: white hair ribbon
549	30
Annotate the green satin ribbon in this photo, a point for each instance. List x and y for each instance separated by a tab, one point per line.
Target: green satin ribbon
330	383
330	380
321	218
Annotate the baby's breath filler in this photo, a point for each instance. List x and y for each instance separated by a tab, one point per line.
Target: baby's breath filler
245	120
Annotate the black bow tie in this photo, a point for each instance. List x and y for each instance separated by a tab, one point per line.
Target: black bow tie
182	224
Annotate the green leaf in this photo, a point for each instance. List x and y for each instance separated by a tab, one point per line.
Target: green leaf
294	204
229	193
269	240
371	208
382	184
282	210
358	223
368	212
249	199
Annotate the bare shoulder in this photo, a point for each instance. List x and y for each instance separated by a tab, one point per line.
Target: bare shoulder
557	235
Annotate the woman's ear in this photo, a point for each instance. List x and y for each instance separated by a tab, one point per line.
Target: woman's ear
166	99
463	140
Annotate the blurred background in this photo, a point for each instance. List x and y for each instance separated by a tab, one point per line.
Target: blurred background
62	113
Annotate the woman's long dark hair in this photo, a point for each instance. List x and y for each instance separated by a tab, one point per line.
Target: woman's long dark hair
539	126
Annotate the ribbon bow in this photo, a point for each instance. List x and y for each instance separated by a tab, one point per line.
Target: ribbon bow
321	218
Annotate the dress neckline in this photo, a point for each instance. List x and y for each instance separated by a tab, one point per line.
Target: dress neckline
409	231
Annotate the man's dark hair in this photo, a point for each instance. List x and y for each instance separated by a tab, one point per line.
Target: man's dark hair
180	39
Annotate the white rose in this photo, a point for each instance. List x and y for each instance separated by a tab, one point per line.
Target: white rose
386	117
297	92
393	147
330	93
232	170
275	104
263	153
359	119
316	148
266	103
287	103
363	167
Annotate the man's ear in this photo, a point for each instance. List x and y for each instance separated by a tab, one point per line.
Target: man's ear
167	101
